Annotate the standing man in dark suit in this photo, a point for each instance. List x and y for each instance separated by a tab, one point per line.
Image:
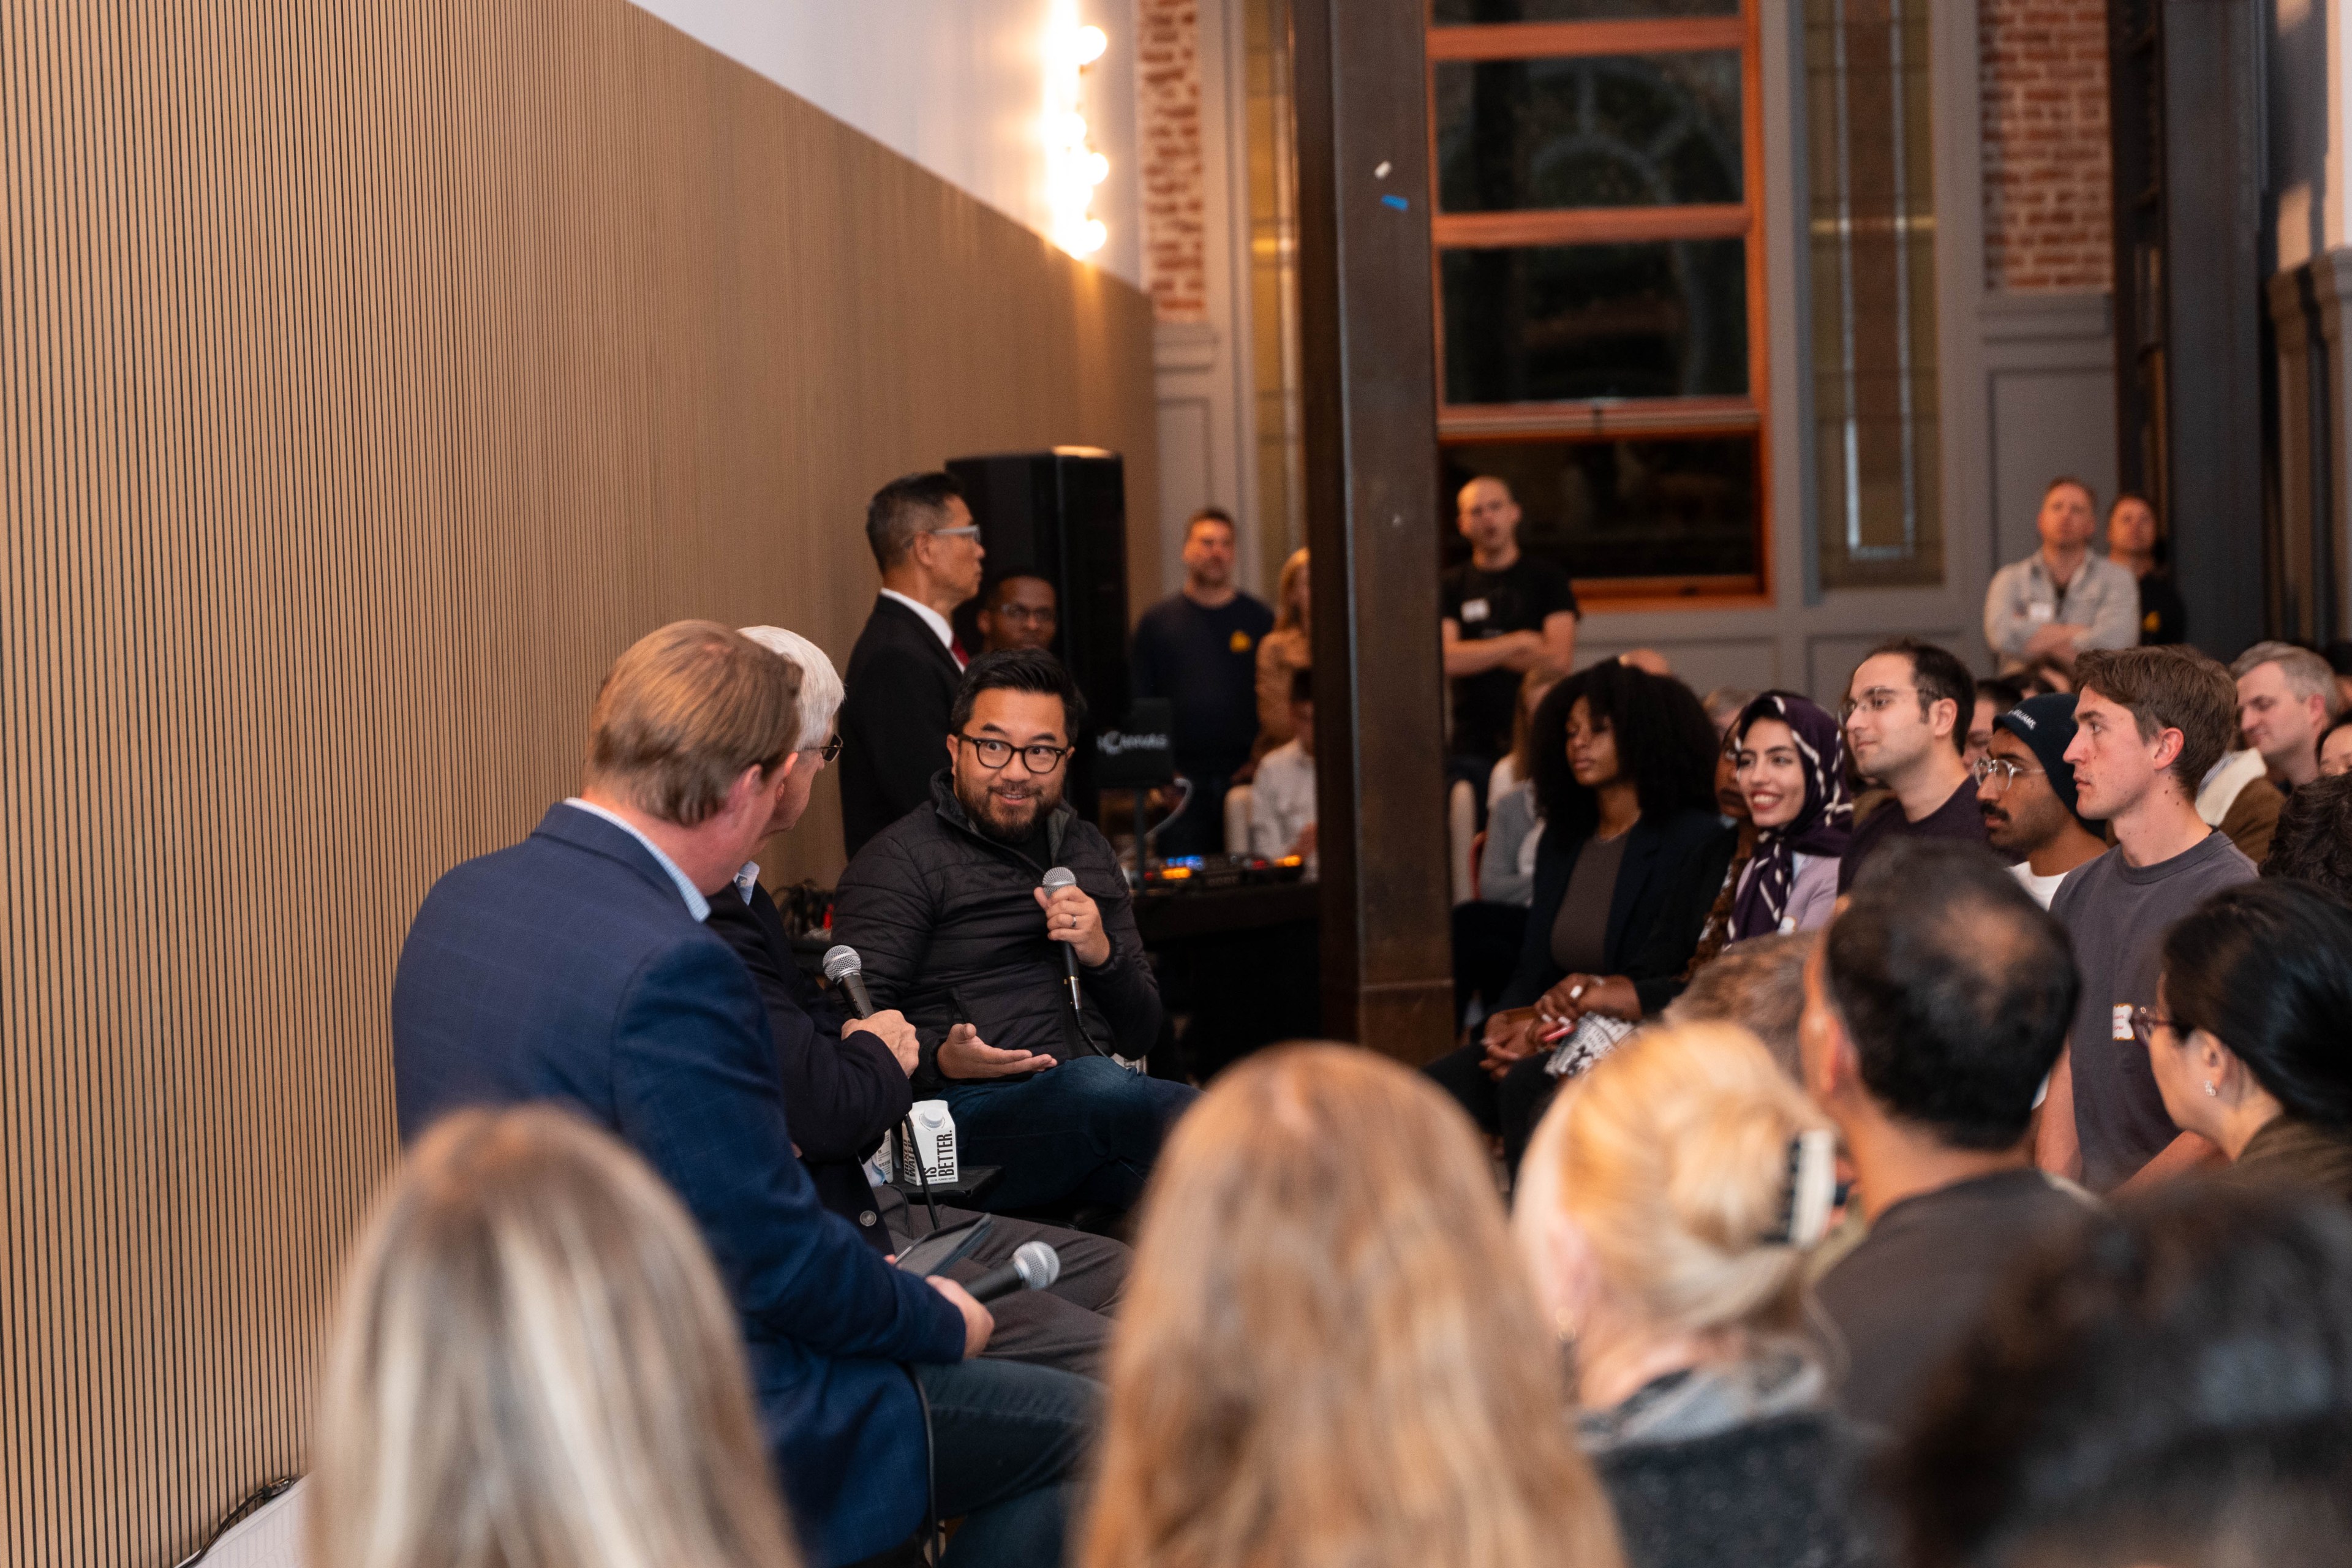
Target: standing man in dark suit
575	967
903	672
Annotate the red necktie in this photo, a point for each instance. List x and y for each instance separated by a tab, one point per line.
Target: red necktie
955	647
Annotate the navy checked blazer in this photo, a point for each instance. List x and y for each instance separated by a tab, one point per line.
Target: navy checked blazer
568	968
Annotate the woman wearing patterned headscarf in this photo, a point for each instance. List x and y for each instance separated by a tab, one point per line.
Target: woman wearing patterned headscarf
1791	770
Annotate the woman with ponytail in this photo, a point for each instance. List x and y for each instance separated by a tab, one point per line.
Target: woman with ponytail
1665	1208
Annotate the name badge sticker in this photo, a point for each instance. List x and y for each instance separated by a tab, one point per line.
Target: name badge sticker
1474	610
2122	1029
2038	613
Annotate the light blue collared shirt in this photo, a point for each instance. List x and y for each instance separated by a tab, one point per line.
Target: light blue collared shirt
696	904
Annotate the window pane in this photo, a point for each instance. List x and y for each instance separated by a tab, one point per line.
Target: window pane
1871	179
1632	131
1546	323
1671	507
1452	12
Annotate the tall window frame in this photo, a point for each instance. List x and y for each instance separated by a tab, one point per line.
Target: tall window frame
1463	427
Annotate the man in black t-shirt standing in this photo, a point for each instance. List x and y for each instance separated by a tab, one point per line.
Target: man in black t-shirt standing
1505	612
1198	648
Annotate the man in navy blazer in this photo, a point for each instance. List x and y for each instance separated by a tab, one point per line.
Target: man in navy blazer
905	667
574	967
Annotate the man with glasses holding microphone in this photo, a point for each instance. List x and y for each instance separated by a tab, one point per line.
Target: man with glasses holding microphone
958	923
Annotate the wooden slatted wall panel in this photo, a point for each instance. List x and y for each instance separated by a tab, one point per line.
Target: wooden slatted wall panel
370	375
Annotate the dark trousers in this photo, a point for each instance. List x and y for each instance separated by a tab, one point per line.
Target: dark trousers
1007	1443
1087	1131
1065	1325
1486	938
1511	1108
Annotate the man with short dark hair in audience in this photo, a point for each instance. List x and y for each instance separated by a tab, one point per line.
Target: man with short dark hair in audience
845	1085
2062	599
2314	843
2286	696
577	967
2025	788
1906	720
1934	1006
2148	722
948	909
903	671
1018	610
1198	648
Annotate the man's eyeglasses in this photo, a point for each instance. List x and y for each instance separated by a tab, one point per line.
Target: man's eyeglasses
969	530
2146	1022
1878	699
829	750
1023	615
993	754
2002	772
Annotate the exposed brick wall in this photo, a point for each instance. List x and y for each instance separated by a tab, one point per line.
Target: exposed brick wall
1168	89
2047	222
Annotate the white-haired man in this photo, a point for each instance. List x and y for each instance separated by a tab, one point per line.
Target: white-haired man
2286	699
847	1083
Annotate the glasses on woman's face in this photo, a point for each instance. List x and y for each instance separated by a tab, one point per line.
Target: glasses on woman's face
994	753
2000	773
2146	1022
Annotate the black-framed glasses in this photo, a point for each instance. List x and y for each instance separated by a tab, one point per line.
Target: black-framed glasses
830	750
2147	1021
994	753
2008	771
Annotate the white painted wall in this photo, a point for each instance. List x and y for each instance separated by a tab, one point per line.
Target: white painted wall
958	86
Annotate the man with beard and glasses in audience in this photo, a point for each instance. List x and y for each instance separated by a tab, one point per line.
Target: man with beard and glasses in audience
1906	715
2148	722
2025	788
949	911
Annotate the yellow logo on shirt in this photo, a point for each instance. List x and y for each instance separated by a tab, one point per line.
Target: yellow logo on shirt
1240	643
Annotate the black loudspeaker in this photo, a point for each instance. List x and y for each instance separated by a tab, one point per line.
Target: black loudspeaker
1061	515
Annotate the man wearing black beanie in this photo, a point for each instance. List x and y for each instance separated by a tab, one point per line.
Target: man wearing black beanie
2025	787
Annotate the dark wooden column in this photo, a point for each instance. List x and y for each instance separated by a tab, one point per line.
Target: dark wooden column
1371	437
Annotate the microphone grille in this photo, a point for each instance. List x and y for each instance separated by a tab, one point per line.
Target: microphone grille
1038	1264
1061	877
841	960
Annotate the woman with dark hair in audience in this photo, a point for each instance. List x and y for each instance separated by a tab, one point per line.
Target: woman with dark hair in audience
1666	1210
2248	1038
533	1362
2170	1385
1324	1359
1789	758
2313	840
1632	854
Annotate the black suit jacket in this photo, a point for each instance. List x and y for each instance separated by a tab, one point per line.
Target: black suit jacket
840	1092
893	721
1672	871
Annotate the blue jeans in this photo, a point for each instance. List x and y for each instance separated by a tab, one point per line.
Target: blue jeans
1088	1130
1007	1442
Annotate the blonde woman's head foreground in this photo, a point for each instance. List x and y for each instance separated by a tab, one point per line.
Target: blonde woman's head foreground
1329	1354
533	1365
1649	1199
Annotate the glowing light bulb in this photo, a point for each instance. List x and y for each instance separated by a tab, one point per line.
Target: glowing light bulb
1091	237
1070	129
1087	44
1096	168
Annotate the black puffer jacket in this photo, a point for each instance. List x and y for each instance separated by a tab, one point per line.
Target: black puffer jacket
947	923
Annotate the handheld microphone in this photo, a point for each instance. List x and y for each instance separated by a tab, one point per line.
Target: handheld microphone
1058	879
847	969
1034	1265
